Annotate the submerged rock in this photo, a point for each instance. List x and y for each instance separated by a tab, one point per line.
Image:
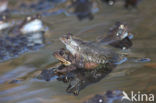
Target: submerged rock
108	97
21	38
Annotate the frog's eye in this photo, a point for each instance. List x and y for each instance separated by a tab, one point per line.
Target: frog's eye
69	36
61	53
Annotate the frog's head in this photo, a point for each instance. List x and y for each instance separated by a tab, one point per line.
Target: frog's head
122	31
72	43
62	56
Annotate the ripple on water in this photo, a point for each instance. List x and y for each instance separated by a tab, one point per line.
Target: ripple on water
16	73
22	95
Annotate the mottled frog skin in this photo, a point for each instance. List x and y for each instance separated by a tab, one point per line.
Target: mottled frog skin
90	52
72	62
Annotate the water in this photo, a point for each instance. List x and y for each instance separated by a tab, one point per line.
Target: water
128	76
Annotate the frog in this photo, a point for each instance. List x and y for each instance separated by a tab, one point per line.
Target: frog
71	62
75	71
118	37
90	53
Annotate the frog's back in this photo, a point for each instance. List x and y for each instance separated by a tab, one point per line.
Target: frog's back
93	53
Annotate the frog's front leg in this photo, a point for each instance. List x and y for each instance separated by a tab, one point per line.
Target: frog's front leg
67	69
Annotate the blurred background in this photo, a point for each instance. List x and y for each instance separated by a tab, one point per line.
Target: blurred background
85	19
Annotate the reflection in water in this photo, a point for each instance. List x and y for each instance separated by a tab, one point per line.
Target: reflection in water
16	73
77	79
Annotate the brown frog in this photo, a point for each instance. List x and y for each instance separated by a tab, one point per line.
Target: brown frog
72	62
118	37
90	53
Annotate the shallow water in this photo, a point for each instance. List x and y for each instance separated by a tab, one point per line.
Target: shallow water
129	76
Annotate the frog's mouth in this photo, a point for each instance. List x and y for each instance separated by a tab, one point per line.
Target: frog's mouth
66	39
70	44
122	31
60	57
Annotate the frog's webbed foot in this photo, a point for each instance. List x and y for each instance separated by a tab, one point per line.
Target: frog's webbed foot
66	78
74	87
